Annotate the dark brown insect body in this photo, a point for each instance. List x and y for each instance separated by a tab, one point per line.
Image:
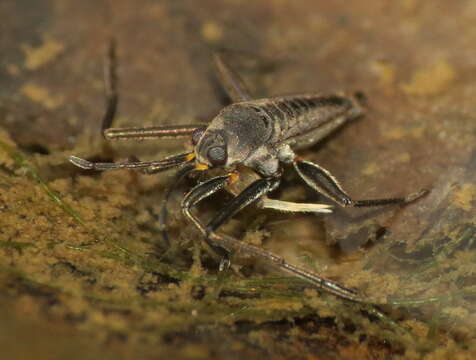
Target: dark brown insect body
259	134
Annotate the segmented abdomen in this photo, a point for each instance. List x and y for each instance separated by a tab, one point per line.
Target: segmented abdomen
290	118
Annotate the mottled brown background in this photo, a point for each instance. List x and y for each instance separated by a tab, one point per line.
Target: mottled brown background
83	271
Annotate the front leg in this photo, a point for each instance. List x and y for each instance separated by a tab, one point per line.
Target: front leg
153	132
197	194
322	181
224	244
249	195
200	192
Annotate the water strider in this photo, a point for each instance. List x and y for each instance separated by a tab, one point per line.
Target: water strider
258	134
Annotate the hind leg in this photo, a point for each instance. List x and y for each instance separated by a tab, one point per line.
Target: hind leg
323	182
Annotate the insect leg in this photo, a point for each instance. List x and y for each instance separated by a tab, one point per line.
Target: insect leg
322	181
231	82
112	100
197	194
156	166
224	243
252	193
163	214
110	86
231	244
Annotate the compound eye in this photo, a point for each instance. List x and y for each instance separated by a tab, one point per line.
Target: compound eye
217	155
196	135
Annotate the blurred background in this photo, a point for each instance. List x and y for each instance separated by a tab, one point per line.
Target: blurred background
84	271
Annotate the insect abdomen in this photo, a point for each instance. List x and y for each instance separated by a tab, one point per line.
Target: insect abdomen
305	119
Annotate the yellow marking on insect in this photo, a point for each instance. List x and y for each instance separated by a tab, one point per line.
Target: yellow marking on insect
190	156
201	167
233	177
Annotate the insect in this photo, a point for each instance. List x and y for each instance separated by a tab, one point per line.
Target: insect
261	135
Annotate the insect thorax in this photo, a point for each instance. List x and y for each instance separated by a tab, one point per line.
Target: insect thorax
240	129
